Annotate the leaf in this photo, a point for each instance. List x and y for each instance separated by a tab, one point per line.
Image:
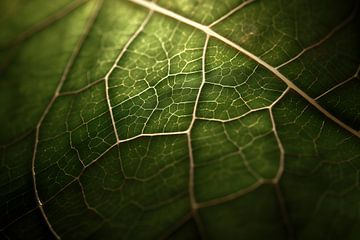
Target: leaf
179	119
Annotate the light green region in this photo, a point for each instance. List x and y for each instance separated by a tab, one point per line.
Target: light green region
156	84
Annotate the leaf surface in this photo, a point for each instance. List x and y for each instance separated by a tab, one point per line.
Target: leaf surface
132	119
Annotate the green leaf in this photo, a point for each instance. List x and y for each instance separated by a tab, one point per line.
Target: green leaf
132	119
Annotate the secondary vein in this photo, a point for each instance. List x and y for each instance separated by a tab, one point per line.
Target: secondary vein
207	30
64	75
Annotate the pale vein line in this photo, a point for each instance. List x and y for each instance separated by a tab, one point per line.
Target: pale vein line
339	84
60	191
121	54
66	71
193	202
47	22
324	39
279	174
241	6
201	85
233	118
133	138
248	112
260	182
151	135
280	145
176	226
284	212
153	6
18	218
83	89
233	196
17	139
87	204
208	31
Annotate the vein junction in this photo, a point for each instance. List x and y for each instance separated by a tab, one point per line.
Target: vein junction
208	31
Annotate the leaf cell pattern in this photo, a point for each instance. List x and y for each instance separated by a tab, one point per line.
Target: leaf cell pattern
138	119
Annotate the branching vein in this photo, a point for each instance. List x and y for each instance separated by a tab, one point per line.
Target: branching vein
275	71
233	11
325	38
124	49
66	71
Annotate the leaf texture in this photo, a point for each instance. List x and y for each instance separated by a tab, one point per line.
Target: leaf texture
135	119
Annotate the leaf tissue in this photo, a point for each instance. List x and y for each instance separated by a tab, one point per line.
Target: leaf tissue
187	119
